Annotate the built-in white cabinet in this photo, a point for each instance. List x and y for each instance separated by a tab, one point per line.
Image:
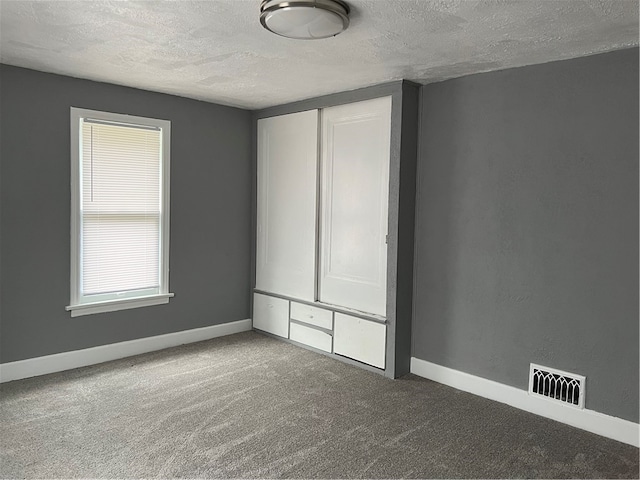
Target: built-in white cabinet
286	208
360	339
311	336
312	315
332	253
321	328
334	233
271	315
355	196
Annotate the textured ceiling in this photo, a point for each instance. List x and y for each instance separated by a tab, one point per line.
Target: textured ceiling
218	51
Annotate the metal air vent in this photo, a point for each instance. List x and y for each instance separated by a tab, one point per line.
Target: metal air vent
562	387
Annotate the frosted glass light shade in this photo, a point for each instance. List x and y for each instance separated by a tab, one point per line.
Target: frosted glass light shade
304	19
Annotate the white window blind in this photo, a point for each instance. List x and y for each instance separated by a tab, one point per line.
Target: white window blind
119	211
121	171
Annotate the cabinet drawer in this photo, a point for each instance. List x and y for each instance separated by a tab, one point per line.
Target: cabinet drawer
312	315
271	314
311	336
360	339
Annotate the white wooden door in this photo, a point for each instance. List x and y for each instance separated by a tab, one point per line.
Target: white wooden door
354	210
286	210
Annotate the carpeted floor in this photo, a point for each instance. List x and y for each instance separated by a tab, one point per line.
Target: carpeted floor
249	406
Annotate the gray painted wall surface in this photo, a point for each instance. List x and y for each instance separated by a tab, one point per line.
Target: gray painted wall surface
406	216
210	214
527	226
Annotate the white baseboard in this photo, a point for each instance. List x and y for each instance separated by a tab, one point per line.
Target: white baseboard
90	356
590	420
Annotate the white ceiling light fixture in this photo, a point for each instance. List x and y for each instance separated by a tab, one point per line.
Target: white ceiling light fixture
305	19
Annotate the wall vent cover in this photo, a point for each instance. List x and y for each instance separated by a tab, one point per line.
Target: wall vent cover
562	387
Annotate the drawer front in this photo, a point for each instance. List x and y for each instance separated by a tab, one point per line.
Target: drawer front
311	336
271	314
360	339
312	315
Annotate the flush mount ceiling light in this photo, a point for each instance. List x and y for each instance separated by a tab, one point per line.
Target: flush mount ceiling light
304	19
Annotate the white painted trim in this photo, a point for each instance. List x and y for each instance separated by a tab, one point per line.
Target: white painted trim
79	304
590	420
115	305
90	356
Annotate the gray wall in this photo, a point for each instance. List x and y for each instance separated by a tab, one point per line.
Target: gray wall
210	214
406	225
527	225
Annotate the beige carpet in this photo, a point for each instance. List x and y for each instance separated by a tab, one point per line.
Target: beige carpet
249	406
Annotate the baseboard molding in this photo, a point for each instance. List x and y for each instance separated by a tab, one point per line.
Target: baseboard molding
590	420
33	367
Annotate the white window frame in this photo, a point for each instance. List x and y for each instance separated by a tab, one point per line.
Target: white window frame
86	305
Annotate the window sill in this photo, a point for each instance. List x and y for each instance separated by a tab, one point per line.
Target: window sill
115	305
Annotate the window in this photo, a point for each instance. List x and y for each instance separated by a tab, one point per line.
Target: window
119	212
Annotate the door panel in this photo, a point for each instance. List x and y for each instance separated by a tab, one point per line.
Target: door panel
286	210
355	191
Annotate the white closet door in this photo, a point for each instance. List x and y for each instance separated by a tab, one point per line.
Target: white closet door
354	197
286	210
